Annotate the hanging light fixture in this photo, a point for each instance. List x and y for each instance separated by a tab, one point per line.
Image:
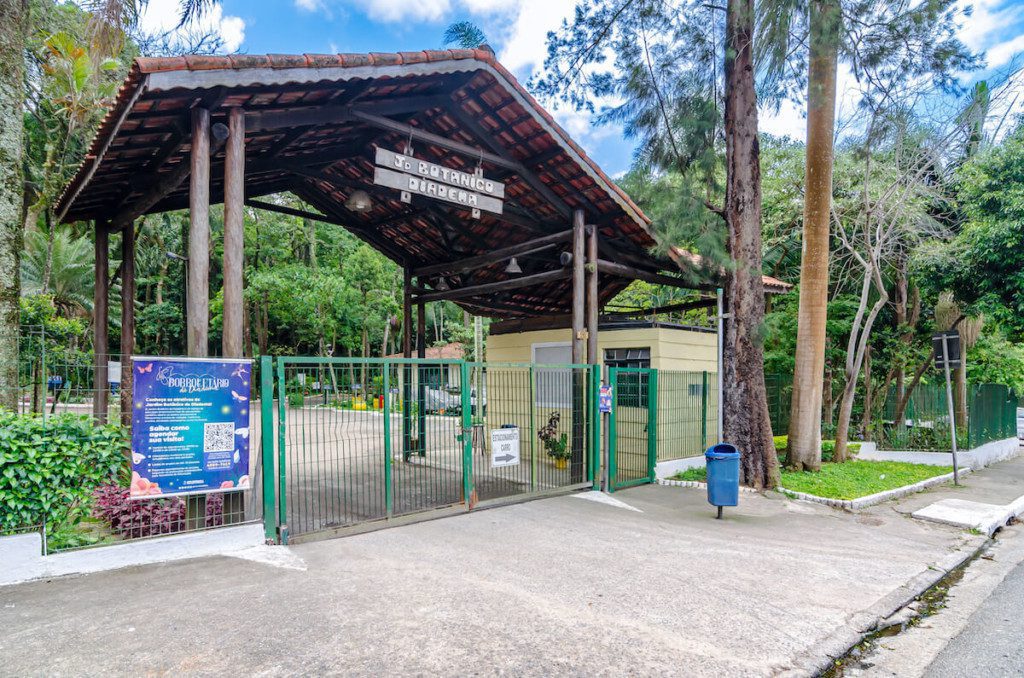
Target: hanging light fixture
359	201
442	285
513	267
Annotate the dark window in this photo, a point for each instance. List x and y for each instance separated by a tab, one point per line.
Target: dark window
632	386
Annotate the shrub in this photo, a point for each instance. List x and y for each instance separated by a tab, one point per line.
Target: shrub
49	469
296	400
134	518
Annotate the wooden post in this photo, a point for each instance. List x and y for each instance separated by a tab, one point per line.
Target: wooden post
577	285
406	369
592	302
101	389
234	247
576	461
198	295
593	305
127	320
421	382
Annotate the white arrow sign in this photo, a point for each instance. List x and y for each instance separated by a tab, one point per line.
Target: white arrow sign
504	447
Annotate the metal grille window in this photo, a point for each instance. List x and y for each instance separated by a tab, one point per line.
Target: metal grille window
554	386
632	386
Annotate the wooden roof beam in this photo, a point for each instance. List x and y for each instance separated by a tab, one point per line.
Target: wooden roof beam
632	273
471	263
501	286
531	179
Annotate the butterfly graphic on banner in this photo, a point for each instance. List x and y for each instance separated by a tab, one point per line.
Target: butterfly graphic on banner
144	370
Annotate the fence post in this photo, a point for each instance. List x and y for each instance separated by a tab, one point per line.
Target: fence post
652	425
389	498
267	445
595	424
282	461
704	411
613	382
467	434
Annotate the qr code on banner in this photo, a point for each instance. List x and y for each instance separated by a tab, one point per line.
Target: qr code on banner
219	437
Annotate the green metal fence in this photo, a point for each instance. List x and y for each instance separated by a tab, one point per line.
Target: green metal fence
632	427
991	415
779	388
687	413
364	441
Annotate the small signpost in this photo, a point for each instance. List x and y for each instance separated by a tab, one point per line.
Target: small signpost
504	447
604	399
411	175
947	354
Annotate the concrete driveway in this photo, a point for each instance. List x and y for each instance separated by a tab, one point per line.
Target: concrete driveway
558	586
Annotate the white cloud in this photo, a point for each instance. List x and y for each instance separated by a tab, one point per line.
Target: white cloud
526	45
405	10
1004	52
161	16
309	5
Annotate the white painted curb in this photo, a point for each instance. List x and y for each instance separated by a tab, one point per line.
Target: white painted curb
977	458
23	560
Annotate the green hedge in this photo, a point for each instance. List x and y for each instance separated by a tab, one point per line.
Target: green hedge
49	469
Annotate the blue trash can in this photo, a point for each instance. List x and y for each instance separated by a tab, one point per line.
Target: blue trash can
723	464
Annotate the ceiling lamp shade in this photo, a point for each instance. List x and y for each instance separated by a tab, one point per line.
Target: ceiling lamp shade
359	201
513	266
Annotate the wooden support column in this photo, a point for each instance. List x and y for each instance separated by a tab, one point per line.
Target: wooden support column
593	305
577	285
101	389
198	295
421	382
234	240
406	369
127	321
576	461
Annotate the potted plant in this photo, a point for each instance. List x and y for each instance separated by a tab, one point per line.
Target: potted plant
556	444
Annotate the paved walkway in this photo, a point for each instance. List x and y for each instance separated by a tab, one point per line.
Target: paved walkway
559	586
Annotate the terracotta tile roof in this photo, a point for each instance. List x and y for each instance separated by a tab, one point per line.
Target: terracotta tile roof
147	65
688	260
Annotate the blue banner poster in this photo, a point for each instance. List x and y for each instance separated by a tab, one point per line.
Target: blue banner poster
190	425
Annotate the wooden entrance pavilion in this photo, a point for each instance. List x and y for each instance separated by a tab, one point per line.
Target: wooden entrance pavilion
188	131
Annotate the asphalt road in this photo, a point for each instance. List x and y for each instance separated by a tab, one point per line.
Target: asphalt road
992	643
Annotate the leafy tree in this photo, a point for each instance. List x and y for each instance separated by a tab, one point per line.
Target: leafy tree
60	265
668	77
465	35
13	28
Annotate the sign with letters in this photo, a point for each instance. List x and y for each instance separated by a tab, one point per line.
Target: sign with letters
505	447
413	176
190	425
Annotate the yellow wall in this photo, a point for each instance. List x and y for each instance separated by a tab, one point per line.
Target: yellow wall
673	352
671	349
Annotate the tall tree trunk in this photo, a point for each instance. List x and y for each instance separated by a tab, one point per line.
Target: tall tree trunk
746	423
804	451
860	333
13	29
865	420
960	388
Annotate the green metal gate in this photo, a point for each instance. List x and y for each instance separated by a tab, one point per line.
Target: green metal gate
362	443
632	427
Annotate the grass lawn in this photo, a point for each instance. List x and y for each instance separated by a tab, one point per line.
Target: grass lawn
856	478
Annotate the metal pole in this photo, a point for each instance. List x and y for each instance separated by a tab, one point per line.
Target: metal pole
721	336
949	403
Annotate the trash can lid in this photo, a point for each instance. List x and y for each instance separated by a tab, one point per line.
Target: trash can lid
722	451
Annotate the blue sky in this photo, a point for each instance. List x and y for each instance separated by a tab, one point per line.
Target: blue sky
516	30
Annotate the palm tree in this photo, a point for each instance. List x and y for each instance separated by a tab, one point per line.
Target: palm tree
464	34
804	446
69	278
